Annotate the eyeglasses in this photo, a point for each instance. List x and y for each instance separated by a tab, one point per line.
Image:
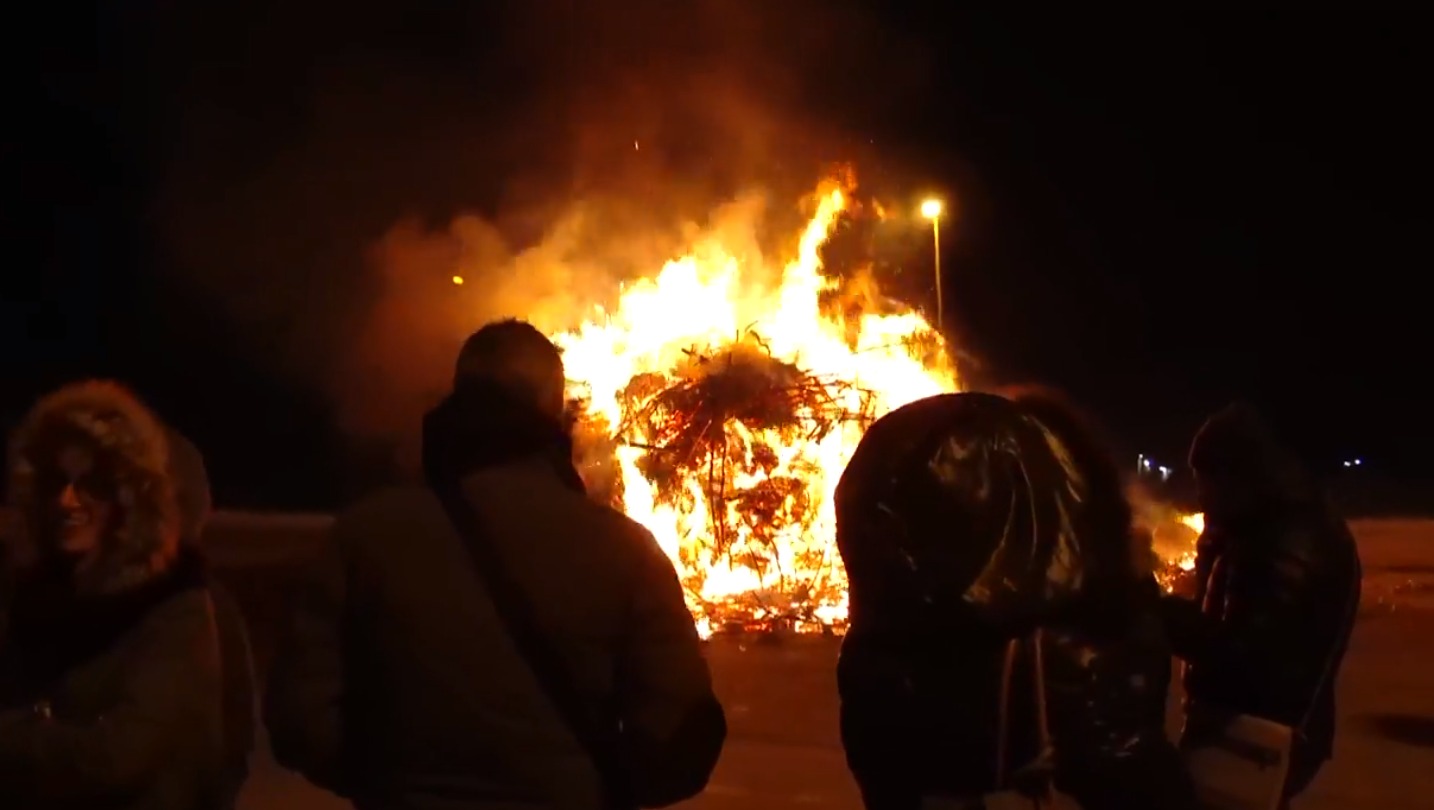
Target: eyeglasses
92	485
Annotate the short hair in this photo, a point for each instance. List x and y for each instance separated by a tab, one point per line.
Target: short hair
519	359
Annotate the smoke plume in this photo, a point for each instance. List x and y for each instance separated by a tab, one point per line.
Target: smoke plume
542	154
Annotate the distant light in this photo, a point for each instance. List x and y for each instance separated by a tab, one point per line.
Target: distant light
931	209
635	147
1355	462
458	280
1165	473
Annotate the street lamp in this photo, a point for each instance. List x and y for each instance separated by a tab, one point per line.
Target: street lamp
931	209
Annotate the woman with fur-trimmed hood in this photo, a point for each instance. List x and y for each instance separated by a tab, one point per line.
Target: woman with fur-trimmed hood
109	660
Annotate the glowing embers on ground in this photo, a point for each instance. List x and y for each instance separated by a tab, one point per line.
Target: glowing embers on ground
725	400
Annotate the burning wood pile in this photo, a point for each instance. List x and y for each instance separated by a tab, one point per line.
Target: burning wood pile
718	403
713	434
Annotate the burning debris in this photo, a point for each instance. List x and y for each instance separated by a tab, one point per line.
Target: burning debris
718	402
1172	535
714	433
711	419
1174	544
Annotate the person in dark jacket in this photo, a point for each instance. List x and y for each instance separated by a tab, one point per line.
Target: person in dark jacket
235	654
1004	626
397	683
109	659
1277	589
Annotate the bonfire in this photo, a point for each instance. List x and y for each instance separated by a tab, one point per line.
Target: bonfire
720	400
1174	543
723	420
718	403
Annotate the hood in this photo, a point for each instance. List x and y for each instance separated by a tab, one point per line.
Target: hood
1097	486
971	500
1237	449
480	425
134	444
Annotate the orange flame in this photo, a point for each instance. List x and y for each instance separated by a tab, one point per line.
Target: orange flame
1196	524
704	301
1175	545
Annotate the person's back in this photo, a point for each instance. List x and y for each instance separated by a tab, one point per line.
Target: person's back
968	523
1108	656
401	685
919	676
236	658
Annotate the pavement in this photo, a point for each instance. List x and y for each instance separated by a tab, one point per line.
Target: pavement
783	750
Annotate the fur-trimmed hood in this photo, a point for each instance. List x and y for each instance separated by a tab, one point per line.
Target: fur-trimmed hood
134	444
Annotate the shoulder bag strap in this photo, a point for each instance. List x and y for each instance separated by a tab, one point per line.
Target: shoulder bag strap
516	612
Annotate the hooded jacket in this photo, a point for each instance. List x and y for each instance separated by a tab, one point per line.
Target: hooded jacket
191	484
968	522
1277	587
397	684
109	680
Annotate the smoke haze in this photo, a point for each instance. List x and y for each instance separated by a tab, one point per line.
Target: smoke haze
329	189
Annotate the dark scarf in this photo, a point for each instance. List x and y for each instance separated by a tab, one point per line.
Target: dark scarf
50	630
480	426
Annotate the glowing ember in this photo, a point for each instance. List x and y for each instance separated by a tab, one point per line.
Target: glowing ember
781	376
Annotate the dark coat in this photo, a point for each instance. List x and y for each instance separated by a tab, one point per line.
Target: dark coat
1278	584
109	674
397	685
965	524
236	658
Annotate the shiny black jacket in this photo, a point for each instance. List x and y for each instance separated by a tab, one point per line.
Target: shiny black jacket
965	523
1278	585
1276	601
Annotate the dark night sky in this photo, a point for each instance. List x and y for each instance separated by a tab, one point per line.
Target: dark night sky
1157	214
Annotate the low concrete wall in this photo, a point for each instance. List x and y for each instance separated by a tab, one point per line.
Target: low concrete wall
259	557
259	538
240	538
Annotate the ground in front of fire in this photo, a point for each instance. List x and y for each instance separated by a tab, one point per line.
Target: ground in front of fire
780	692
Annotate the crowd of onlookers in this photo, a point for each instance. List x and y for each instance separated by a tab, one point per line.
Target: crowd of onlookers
493	637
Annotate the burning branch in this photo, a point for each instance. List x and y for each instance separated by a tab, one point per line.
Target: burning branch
721	420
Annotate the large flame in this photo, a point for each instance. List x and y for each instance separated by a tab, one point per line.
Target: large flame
1196	524
781	565
703	302
1175	546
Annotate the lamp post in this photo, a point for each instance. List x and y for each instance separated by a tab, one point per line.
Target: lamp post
931	209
